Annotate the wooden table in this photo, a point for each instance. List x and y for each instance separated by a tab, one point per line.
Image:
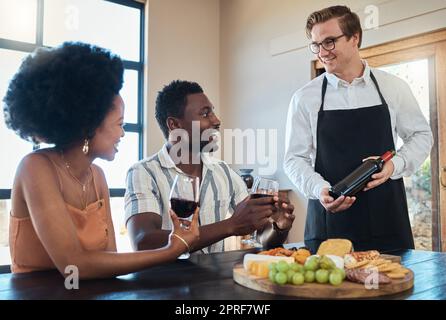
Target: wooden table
201	277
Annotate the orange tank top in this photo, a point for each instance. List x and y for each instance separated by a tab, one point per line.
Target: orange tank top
27	251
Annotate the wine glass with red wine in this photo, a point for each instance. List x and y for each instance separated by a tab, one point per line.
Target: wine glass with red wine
261	188
184	198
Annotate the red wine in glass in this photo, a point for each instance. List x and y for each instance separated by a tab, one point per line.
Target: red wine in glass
260	195
183	208
184	199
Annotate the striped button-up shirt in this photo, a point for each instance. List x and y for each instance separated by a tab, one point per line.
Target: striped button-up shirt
149	182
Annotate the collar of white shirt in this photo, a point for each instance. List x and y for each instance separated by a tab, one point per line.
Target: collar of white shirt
167	162
337	82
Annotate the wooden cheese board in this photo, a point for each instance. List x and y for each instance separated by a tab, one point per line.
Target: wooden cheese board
347	290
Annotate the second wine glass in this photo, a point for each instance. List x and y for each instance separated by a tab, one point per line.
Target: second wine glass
261	188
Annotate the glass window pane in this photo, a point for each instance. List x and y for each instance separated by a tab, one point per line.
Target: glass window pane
5	208
116	170
9	64
129	93
18	20
109	25
416	74
16	149
12	144
418	185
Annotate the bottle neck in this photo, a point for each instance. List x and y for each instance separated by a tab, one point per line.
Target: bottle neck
387	156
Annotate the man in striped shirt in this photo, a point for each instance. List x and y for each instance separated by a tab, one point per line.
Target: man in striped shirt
225	208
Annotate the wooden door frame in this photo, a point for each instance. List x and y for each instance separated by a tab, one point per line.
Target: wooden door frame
431	45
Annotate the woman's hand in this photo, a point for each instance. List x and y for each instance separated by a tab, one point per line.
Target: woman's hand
184	238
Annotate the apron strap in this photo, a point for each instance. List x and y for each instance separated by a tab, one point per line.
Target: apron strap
383	101
324	89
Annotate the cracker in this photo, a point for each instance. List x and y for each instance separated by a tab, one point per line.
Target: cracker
389	267
368	266
357	264
402	270
396	275
378	262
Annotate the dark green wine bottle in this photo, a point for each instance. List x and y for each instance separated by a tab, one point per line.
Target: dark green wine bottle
357	180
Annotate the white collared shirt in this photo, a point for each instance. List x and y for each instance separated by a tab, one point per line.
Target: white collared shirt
406	118
149	182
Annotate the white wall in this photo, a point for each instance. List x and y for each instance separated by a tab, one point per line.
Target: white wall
183	43
264	59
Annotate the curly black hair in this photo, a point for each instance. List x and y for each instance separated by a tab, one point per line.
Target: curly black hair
61	95
172	100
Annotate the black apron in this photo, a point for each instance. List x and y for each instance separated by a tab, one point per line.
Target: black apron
378	219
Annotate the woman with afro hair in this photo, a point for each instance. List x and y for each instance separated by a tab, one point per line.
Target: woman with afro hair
69	96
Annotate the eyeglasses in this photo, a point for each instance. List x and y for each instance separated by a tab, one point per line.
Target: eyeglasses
327	44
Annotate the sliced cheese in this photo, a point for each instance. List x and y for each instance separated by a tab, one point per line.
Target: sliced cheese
250	257
259	268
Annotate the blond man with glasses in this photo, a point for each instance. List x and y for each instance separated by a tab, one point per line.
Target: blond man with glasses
349	113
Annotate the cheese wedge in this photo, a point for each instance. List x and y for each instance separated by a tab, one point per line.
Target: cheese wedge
249	258
339	262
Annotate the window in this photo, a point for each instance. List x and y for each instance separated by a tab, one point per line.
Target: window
113	24
419	185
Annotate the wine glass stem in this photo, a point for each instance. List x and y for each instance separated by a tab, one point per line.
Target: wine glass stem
254	236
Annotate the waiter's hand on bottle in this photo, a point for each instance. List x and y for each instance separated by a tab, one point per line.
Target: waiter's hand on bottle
380	177
331	205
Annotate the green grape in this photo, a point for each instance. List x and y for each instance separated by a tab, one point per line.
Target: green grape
341	271
281	278
312	264
322	276
309	276
298	279
294	266
335	278
326	263
282	266
297	267
272	266
272	275
290	273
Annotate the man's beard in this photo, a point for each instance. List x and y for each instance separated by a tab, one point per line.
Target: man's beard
211	144
208	146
